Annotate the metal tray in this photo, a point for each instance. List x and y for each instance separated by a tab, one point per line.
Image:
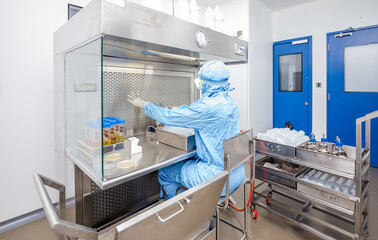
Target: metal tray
272	148
325	195
277	176
346	165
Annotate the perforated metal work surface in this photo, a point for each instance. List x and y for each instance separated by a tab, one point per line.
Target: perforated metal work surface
118	202
159	87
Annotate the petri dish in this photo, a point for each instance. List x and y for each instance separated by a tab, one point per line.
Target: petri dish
125	164
110	169
113	157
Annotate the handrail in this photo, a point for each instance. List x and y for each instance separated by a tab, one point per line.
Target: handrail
60	226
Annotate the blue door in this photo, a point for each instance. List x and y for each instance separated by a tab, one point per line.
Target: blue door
352	84
292	84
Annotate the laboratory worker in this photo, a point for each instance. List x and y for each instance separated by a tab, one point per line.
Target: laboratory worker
214	117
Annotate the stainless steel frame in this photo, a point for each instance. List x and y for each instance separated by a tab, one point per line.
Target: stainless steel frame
237	150
57	223
135	40
352	210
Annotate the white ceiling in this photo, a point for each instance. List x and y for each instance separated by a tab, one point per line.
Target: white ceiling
277	5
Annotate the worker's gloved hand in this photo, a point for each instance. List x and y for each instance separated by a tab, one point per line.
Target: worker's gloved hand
198	82
136	100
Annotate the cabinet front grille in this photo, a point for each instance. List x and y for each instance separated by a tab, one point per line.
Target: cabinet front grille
116	203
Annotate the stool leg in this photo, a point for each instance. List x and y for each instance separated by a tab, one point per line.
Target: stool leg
217	234
245	210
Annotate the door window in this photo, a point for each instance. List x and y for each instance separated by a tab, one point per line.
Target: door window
290	72
361	71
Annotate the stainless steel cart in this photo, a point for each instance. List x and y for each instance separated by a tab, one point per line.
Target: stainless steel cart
327	213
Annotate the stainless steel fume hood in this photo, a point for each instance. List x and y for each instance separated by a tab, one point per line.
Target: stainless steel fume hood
109	48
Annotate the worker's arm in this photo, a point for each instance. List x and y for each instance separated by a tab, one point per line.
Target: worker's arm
192	116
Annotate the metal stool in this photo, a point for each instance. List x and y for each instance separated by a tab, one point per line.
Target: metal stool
237	150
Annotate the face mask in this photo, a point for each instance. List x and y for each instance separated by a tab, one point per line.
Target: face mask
198	83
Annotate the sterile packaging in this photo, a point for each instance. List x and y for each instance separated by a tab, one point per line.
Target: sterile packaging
131	146
284	136
345	188
338	184
316	176
324	178
310	174
330	181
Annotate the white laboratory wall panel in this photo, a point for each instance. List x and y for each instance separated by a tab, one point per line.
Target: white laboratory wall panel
237	18
27	101
317	19
239	80
260	67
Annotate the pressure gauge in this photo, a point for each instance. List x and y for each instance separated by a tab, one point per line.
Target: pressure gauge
201	39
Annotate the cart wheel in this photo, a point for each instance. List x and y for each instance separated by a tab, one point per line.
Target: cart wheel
251	207
254	214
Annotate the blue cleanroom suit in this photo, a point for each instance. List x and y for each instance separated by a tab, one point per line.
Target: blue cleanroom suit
215	118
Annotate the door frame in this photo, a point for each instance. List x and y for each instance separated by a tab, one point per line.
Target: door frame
329	35
309	38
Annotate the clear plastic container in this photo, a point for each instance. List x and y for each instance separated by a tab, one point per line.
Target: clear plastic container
88	132
96	134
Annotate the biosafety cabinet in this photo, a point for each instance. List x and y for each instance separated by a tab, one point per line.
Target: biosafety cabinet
105	52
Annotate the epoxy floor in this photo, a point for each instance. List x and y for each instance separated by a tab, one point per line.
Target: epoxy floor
267	226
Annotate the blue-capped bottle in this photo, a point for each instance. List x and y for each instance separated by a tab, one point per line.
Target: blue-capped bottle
312	144
338	149
323	145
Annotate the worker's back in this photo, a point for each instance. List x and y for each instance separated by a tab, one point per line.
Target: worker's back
222	122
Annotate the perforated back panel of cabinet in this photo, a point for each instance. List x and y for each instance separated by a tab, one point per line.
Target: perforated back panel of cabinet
164	88
114	204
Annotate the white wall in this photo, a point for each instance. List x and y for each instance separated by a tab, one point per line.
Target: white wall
260	67
237	18
26	100
317	19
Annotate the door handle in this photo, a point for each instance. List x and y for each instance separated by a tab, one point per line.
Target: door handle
179	211
306	103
